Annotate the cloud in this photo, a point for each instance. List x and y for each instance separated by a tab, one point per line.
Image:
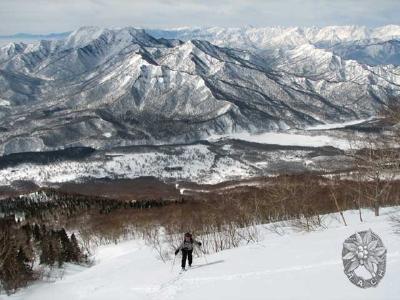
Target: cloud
42	16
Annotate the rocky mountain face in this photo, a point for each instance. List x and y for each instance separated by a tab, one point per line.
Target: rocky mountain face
104	88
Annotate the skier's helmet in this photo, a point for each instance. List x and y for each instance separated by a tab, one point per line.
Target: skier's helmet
187	234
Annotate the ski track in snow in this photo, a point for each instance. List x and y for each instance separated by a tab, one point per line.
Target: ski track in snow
172	287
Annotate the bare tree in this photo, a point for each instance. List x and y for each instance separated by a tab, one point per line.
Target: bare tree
377	168
377	161
332	190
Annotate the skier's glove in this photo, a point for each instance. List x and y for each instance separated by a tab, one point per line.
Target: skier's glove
199	243
176	252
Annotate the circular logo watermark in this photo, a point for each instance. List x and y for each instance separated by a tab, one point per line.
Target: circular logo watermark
364	259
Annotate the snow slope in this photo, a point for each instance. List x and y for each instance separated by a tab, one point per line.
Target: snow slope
292	266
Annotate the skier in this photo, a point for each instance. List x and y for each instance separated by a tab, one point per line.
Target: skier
187	249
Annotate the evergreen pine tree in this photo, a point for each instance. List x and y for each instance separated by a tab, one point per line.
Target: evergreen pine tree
66	246
76	251
36	232
57	248
15	271
51	255
24	261
47	256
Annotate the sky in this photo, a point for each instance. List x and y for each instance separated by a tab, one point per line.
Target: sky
46	16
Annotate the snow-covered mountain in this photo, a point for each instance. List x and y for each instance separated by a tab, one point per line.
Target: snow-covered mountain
105	88
372	46
279	37
371	52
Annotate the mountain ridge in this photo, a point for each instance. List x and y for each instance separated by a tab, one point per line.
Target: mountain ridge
104	88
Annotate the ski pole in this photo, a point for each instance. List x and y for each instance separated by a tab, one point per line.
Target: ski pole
173	264
205	258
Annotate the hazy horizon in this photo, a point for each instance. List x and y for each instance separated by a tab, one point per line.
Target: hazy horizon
55	34
49	16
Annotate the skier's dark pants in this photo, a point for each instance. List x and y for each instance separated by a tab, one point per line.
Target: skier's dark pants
187	254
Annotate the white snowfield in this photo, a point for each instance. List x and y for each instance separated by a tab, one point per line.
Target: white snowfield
292	266
291	139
